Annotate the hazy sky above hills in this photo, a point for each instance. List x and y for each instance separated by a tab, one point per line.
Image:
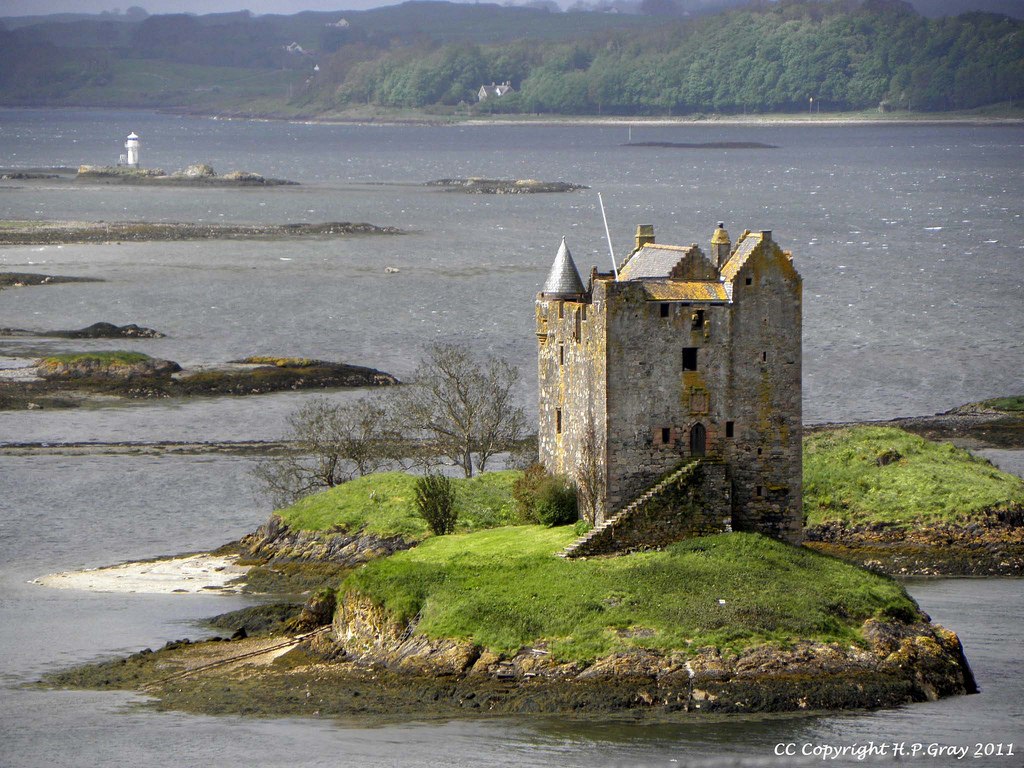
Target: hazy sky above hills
34	7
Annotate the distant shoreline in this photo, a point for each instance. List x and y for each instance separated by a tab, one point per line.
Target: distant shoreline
421	118
382	118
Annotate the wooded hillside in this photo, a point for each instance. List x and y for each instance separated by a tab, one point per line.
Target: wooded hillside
769	57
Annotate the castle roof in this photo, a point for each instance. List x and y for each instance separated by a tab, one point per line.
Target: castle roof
563	279
653	261
685	290
748	242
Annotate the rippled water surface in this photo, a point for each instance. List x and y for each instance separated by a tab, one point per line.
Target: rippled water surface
910	240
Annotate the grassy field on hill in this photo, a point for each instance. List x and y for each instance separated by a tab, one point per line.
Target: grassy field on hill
504	589
866	475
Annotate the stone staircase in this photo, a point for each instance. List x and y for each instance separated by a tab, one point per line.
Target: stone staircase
621	518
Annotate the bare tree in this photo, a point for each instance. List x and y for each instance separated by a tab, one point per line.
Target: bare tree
331	443
588	474
463	406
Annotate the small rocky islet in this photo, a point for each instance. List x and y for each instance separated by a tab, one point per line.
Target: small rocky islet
69	380
481	186
197	174
67	232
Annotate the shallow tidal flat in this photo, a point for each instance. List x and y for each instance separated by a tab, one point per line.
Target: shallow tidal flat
64	232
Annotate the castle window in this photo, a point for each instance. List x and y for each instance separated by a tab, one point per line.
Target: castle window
758	451
730	428
760	491
764	357
689	358
584	313
749	281
561	354
666	435
698	320
578	332
561	310
664	310
558	421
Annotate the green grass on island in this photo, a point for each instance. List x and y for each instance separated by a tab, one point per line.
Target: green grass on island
99	358
1006	404
864	475
858	475
504	589
384	504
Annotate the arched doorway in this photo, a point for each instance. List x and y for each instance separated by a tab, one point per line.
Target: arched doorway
698	440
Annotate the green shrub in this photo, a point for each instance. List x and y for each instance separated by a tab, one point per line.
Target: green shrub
524	492
556	502
435	502
582	527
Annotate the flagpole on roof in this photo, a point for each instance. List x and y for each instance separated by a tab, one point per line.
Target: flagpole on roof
608	235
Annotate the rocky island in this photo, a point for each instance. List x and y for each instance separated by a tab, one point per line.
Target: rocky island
400	622
25	279
480	186
62	232
68	380
198	174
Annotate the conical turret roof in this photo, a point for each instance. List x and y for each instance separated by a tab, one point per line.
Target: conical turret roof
564	278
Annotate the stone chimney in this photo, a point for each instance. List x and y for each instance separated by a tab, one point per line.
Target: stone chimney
644	234
721	246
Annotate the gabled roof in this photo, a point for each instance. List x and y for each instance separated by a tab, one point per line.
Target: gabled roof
748	242
685	290
652	261
563	279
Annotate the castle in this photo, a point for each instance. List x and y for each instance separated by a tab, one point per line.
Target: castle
670	392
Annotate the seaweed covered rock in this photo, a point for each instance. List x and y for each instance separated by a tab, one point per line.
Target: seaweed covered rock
104	365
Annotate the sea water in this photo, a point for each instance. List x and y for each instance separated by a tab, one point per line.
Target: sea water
909	238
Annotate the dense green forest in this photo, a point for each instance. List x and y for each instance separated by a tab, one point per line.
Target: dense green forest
764	57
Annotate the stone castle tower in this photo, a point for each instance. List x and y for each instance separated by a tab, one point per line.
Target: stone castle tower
670	393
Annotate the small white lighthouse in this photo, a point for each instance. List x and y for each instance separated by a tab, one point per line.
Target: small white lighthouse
132	145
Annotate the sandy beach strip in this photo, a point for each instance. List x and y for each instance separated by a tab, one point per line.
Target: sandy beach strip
190	574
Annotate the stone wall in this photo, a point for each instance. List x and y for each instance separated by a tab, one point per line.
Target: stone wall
571	381
764	392
696	504
649	393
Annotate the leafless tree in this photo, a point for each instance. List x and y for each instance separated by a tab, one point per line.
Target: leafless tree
330	444
462	406
588	474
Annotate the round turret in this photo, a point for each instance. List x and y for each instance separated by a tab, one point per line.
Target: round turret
564	279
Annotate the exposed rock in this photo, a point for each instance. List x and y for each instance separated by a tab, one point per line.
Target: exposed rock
104	330
478	186
23	279
36	233
276	542
903	662
197	170
993	547
703	145
88	367
195	174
